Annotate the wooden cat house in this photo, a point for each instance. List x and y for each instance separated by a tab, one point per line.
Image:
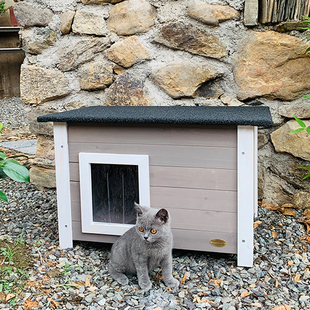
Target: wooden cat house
198	162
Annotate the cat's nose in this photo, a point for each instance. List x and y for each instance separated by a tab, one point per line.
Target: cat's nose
145	237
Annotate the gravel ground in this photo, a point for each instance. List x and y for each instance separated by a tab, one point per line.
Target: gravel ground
78	279
13	117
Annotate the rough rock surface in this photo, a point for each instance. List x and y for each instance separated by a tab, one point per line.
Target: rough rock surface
74	52
28	15
129	89
231	101
95	75
38	85
212	14
297	144
182	79
35	39
301	200
43	177
272	65
186	37
127	52
209	90
45	148
130	17
302	110
90	21
66	19
100	1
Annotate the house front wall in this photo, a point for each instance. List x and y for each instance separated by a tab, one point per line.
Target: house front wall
193	173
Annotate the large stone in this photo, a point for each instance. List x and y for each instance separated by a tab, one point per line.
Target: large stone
28	15
38	85
132	16
212	14
90	21
66	19
272	65
75	51
35	40
182	79
297	144
186	37
42	177
301	200
279	176
128	52
301	110
274	189
45	148
95	75
100	1
129	90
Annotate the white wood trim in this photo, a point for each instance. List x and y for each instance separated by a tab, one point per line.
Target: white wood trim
85	161
255	157
63	185
246	193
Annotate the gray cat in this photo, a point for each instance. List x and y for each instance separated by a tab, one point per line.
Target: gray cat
144	247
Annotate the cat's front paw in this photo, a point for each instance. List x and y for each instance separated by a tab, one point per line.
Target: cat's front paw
174	283
146	286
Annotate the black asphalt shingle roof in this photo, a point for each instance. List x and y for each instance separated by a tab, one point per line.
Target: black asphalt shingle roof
253	116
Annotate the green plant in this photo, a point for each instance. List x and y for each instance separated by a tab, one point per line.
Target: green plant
2	7
12	169
302	128
8	253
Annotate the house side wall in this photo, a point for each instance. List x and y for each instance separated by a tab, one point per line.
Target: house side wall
192	174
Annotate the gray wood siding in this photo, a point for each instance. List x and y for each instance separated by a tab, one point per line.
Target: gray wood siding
182	239
192	174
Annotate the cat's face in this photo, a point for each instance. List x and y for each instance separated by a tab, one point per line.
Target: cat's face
151	224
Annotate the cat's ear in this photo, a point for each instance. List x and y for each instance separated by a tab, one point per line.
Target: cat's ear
162	216
140	209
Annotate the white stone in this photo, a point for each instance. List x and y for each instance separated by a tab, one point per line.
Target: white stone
90	21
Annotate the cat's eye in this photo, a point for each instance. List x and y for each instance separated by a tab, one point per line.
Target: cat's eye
141	229
153	231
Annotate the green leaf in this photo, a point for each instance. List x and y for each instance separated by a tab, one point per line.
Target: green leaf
307	96
308	130
297	130
307	176
3	196
2	174
304	167
16	171
2	155
300	122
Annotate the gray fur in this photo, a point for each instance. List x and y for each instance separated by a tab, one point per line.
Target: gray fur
137	252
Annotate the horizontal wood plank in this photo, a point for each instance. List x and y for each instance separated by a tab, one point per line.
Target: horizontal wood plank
180	177
182	239
214	136
193	199
190	219
196	178
182	198
166	155
200	241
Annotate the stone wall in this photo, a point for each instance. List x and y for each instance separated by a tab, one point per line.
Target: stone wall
166	52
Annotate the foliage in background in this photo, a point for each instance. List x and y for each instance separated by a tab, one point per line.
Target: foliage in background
2	7
12	169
